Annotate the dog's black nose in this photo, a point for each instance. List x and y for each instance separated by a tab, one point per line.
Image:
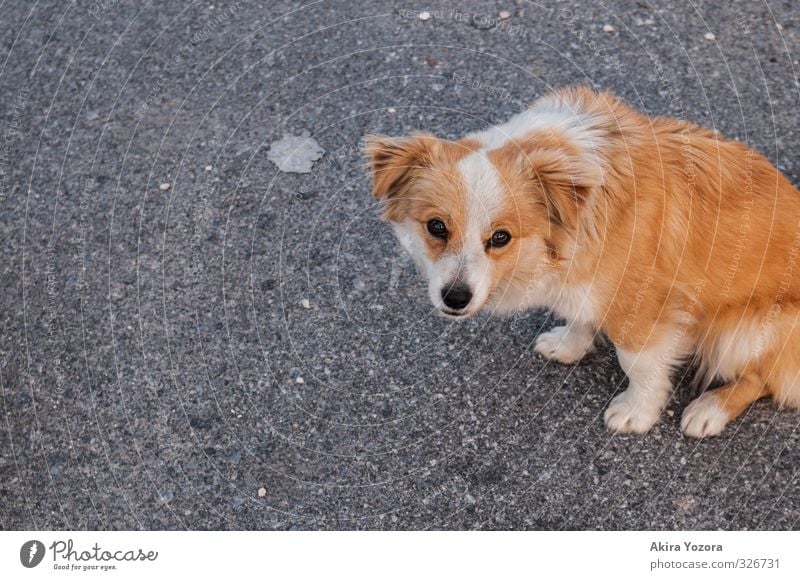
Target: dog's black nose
456	297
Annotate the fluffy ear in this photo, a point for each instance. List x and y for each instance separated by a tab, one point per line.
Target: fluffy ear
567	179
394	159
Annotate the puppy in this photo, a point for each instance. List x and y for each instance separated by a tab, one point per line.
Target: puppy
668	239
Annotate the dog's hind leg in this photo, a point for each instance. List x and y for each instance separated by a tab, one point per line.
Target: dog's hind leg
708	414
783	369
761	357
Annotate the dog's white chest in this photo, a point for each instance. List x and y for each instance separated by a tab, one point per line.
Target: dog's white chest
576	303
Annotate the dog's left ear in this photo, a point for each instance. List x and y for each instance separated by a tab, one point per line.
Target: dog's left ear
567	180
394	160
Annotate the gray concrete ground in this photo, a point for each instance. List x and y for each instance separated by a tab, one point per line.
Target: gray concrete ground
159	367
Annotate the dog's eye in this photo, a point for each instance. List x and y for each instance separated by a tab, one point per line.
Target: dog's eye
499	239
437	229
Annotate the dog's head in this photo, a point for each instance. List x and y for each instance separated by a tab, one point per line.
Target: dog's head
482	223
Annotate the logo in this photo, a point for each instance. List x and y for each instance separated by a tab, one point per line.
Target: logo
31	553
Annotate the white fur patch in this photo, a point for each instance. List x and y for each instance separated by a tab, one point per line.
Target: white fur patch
704	417
485	191
548	114
576	303
638	408
734	349
512	296
485	198
409	239
566	344
630	413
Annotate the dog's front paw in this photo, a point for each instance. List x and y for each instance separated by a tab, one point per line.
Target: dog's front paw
629	414
564	344
704	417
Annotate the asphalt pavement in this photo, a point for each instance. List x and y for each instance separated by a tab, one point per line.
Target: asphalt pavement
196	332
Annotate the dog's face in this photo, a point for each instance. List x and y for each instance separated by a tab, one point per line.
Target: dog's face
481	224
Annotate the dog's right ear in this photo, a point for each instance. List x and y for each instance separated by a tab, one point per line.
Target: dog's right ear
395	159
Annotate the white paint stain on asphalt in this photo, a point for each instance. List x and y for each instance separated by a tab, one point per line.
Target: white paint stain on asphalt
295	154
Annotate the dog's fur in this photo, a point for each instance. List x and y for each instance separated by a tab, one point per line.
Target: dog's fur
671	240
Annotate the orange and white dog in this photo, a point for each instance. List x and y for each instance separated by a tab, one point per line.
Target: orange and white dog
665	237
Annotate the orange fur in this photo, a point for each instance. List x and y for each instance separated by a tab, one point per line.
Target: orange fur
674	230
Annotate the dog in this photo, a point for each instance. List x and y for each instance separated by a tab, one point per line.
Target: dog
663	237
